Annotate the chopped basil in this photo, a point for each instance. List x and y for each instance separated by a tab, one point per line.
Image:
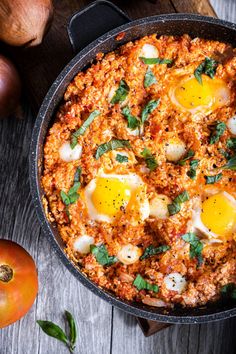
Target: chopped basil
218	129
150	61
196	246
83	128
149	78
229	291
188	156
140	284
225	153
78	174
72	195
231	144
191	173
149	159
133	122
102	256
121	93
175	206
121	158
208	67
111	145
149	108
231	164
151	251
213	179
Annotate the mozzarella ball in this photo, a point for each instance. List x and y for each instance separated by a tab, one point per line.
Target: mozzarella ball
158	206
129	254
175	282
82	244
68	154
175	149
231	124
149	51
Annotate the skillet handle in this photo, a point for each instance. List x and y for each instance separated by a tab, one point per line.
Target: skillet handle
93	21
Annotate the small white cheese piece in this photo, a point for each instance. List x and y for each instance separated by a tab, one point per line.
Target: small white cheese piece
158	206
175	149
129	254
68	154
82	244
231	124
149	51
135	132
176	282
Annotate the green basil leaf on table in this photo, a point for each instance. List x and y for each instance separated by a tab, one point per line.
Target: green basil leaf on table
148	109
213	179
141	283
83	128
133	122
196	246
207	67
53	330
175	206
149	159
149	78
121	158
151	61
111	145
73	332
218	129
151	251
121	93
102	256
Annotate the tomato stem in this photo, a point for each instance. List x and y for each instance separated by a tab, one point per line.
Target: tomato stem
6	273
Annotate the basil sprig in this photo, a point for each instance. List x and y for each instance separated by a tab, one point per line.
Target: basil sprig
191	173
53	330
175	206
121	93
196	246
151	61
102	256
148	109
188	156
213	179
229	291
151	251
218	129
133	122
149	78
149	159
207	67
111	145
72	195
230	165
121	158
83	128
141	283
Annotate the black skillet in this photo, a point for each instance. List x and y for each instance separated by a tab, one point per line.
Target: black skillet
89	26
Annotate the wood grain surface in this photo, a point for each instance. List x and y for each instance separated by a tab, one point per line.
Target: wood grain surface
101	328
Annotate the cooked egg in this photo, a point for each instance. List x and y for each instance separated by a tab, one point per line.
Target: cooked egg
174	149
129	254
108	195
82	244
68	154
189	95
175	282
158	206
149	51
231	124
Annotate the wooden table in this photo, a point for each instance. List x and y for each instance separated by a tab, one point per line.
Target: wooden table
101	328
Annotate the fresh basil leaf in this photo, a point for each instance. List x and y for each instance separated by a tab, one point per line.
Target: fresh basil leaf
140	284
188	156
72	195
225	153
196	246
149	78
102	256
83	128
149	159
231	164
78	174
121	158
73	332
229	291
148	109
231	144
111	145
64	197
175	206
74	189
52	330
150	61
208	67
213	179
191	173
151	251
218	129
133	122
121	93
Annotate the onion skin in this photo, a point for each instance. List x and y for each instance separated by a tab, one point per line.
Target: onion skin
10	88
24	22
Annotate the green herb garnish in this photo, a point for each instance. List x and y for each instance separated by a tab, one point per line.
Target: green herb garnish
133	122
229	291
207	67
121	93
231	144
140	284
111	145
151	61
149	108
218	129
175	206
230	165
191	173
196	246
83	128
188	156
151	251
121	158
72	195
213	179
225	153
73	332
149	78
102	256
149	159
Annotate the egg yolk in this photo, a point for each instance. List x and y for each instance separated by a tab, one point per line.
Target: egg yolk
219	215
191	94
110	195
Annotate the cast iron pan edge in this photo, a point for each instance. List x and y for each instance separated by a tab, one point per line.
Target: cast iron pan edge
107	43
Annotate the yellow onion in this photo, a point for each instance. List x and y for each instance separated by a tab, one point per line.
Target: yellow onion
10	88
24	22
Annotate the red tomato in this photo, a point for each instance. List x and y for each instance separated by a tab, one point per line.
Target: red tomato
18	282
